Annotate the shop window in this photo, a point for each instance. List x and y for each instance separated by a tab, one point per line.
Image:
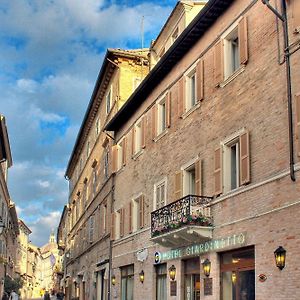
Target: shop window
127	282
161	282
192	279
160	194
190	90
238	275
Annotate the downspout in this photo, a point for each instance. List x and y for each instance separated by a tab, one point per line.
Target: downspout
283	18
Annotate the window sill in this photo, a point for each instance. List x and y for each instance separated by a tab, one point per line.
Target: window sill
191	110
240	70
136	155
162	134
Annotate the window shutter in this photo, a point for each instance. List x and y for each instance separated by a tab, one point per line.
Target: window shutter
218	171
218	62
296	15
121	222
298	123
200	80
198	177
168	109
244	158
154	121
112	227
143	129
181	97
142	211
114	158
130	216
178	185
124	148
243	41
133	140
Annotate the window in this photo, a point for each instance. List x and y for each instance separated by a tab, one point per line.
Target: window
161	282
160	194
175	35
104	219
97	127
162	116
238	275
88	149
231	53
108	100
138	136
232	163
94	181
138	213
91	228
106	162
80	164
120	156
191	90
189	180
127	280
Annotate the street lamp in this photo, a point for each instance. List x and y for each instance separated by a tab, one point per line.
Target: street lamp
206	267
280	254
172	272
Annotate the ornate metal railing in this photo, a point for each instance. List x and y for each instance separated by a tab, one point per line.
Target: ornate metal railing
189	210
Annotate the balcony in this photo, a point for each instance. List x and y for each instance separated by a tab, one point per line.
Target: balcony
185	221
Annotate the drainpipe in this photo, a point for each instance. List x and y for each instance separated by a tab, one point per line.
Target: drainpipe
283	17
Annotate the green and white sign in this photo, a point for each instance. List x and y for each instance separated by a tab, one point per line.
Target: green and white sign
197	249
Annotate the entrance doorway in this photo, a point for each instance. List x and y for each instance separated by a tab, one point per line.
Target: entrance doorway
238	275
192	279
100	285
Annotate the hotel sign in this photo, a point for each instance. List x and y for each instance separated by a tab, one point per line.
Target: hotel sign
232	241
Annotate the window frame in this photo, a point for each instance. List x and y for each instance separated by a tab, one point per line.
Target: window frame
156	186
138	133
161	120
186	169
189	102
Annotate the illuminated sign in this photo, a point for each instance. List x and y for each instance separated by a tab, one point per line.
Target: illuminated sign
197	249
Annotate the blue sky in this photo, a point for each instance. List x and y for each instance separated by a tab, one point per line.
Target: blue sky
50	54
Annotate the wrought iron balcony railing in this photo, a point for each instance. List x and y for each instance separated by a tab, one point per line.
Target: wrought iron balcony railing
189	210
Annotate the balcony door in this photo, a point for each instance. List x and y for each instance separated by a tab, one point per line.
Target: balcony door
189	181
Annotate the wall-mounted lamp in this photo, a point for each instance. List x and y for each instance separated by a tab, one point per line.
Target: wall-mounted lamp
206	267
233	277
113	279
280	254
172	272
142	276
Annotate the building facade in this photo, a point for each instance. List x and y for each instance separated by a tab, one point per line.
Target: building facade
214	181
9	229
84	230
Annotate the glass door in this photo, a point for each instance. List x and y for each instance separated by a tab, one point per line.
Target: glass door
192	279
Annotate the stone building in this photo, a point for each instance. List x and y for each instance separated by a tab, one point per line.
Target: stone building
84	230
8	218
213	178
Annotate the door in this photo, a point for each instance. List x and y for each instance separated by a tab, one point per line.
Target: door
192	279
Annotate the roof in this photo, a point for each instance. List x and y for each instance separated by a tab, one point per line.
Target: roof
95	103
194	31
21	223
5	153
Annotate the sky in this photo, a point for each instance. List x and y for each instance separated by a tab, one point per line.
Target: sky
50	54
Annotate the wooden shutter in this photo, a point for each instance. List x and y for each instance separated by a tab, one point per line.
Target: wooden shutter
112	226
244	158
198	177
142	211
243	40
200	80
181	97
130	216
296	15
124	148
298	123
178	185
168	109
121	222
218	171
218	63
154	121
133	140
114	158
143	133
